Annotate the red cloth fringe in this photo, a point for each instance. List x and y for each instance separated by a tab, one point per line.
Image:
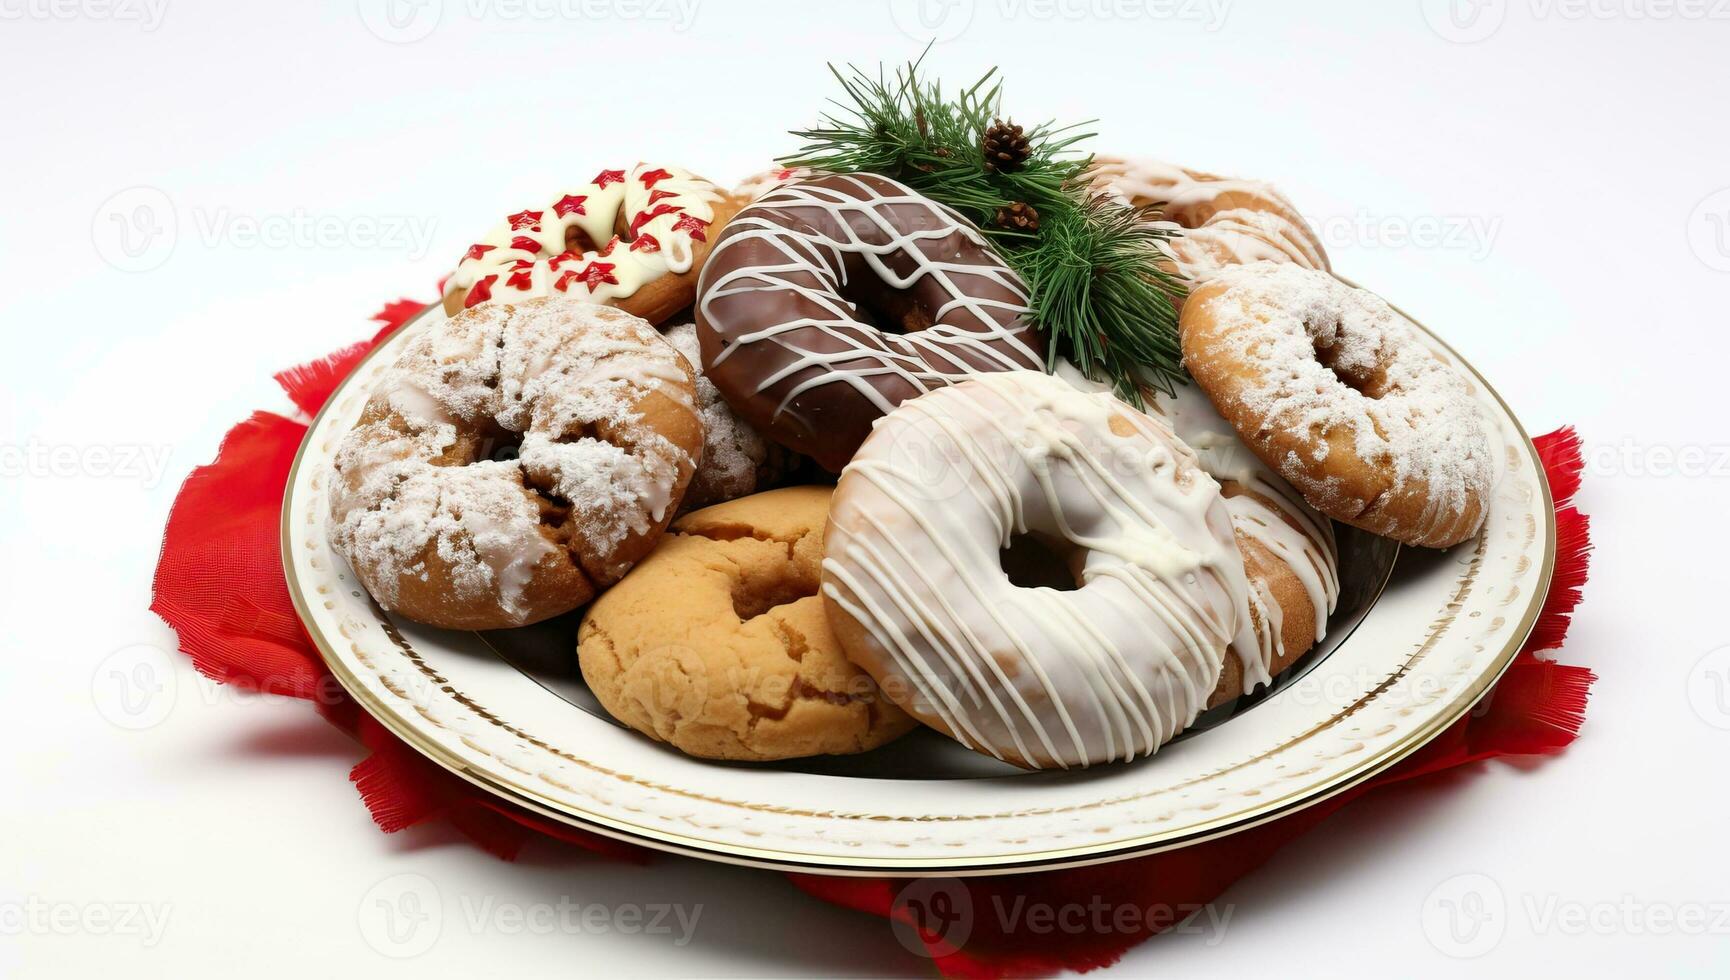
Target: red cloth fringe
219	584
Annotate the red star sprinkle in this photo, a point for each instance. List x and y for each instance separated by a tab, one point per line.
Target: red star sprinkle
645	243
784	174
526	244
644	217
482	291
652	177
561	258
523	278
609	177
592	276
526	219
660	195
692	224
607	249
477	250
570	204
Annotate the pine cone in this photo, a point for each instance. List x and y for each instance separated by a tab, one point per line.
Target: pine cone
1019	216
1006	147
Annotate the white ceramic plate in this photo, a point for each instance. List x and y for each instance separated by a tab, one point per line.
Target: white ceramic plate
1419	637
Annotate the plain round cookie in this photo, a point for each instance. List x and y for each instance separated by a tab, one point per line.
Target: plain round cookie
1331	388
717	643
515	459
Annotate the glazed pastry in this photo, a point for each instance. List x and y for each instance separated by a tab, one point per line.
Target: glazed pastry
944	537
1334	391
516	459
1225	221
635	239
831	300
1288	549
717	644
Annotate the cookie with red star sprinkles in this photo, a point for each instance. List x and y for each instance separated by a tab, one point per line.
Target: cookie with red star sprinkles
632	238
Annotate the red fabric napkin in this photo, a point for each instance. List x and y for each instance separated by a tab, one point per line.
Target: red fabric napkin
219	583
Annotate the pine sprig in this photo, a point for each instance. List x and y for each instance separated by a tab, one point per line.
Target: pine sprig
1098	292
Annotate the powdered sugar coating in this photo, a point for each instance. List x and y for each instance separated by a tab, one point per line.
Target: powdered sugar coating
1322	366
568	379
736	457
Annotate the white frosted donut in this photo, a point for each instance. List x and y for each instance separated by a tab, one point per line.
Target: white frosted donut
632	238
1110	663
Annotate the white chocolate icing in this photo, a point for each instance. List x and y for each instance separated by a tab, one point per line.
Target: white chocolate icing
1037	676
981	337
1265	515
1214	236
764	181
665	209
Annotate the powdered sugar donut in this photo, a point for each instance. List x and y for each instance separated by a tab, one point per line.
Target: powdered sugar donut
1225	221
633	238
1333	389
737	460
1043	574
514	460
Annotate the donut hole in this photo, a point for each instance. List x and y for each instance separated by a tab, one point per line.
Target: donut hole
1329	346
1037	561
577	240
498	444
891	310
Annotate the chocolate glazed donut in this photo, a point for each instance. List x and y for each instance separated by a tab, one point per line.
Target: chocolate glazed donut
831	300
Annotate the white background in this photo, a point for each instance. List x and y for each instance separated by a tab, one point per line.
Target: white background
1545	184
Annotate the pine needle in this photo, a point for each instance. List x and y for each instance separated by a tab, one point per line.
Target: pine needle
1097	290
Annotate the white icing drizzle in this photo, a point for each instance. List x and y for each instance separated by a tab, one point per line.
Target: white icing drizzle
553	372
982	329
1043	677
764	181
1225	221
666	209
1266	514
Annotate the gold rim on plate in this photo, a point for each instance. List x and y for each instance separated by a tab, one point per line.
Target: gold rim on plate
787	860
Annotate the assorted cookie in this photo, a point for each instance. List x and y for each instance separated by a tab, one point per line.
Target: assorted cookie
1045	569
717	643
